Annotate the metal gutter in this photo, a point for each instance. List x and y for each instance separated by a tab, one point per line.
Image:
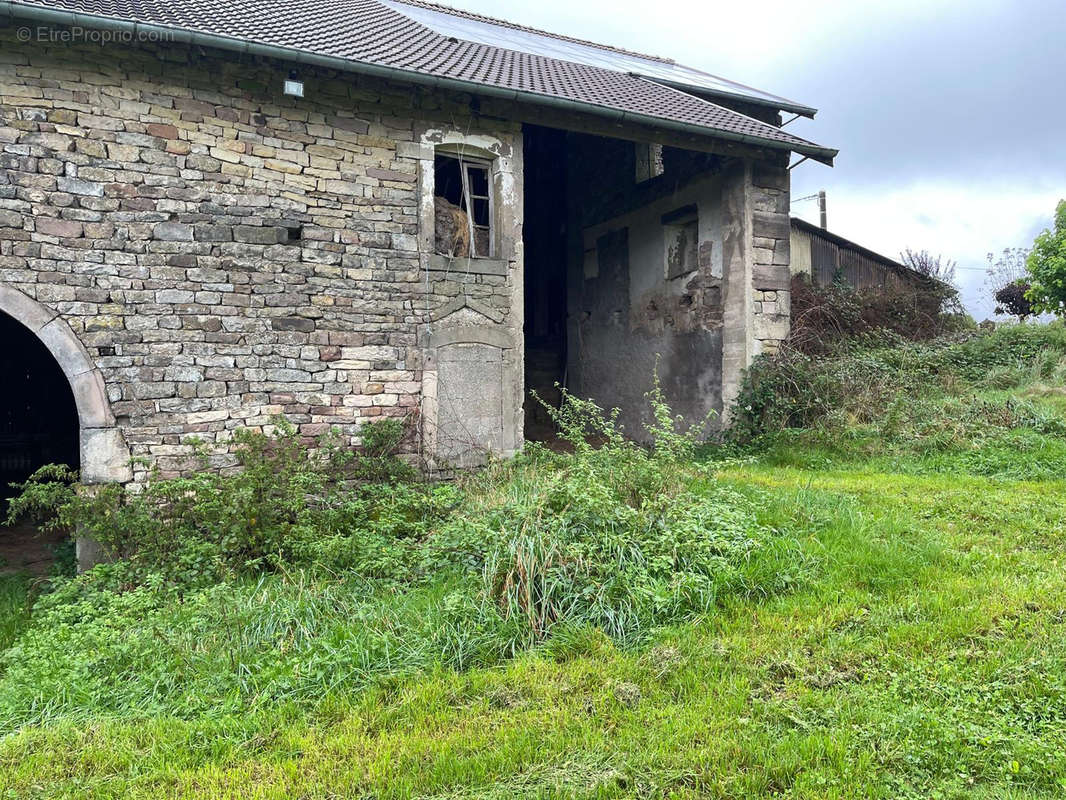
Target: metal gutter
190	36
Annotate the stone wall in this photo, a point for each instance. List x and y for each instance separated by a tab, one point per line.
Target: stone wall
771	279
756	296
224	253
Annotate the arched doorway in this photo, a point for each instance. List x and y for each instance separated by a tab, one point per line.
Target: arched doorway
54	407
38	426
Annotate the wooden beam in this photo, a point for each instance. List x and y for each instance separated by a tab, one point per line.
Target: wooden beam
629	131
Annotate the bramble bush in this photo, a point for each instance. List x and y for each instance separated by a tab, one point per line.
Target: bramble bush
822	317
863	377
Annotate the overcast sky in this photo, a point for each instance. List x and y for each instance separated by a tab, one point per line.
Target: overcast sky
950	115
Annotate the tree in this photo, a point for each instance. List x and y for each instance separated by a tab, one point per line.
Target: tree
1047	267
925	263
1007	270
1011	300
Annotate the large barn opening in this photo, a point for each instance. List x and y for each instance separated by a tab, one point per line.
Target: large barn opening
38	426
624	263
544	230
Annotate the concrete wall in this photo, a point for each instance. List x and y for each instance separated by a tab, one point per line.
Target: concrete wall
221	253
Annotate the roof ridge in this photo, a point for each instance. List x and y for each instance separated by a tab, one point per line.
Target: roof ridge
459	12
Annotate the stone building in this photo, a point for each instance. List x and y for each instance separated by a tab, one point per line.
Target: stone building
215	213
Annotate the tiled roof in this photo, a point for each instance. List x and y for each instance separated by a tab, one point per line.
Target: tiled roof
502	23
378	33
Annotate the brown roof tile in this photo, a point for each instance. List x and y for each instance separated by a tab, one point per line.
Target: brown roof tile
378	33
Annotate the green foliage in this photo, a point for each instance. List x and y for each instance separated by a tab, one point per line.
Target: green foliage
378	461
619	537
287	504
923	659
282	583
42	494
859	383
295	637
1047	267
16	601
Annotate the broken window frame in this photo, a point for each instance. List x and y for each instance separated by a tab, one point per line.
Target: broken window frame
466	165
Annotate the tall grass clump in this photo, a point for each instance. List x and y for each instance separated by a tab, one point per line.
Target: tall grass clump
16	601
615	535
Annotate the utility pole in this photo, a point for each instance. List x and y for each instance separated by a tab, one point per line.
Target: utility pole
821	208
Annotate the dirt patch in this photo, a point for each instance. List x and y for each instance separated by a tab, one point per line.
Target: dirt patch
24	548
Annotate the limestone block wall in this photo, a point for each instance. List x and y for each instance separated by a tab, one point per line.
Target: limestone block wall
224	253
756	280
771	245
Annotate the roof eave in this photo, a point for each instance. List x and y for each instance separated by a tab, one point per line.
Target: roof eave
173	33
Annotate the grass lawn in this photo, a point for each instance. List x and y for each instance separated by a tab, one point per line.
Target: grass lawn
892	625
925	656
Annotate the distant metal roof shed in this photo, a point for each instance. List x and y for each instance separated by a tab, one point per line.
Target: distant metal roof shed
826	257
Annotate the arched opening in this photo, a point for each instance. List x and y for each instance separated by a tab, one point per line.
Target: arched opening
38	426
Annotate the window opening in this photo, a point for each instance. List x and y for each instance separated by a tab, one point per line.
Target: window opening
464	207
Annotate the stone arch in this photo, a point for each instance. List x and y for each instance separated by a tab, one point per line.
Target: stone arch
104	456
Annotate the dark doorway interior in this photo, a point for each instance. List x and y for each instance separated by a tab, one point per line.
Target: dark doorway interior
38	425
544	237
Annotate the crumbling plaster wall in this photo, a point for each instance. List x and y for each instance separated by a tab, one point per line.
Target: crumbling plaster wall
632	312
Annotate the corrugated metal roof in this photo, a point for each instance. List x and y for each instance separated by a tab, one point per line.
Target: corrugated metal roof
388	35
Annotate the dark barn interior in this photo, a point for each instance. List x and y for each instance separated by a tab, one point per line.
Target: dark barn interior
545	241
620	280
38	425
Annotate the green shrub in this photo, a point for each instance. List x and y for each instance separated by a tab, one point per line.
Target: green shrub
613	535
861	380
287	504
